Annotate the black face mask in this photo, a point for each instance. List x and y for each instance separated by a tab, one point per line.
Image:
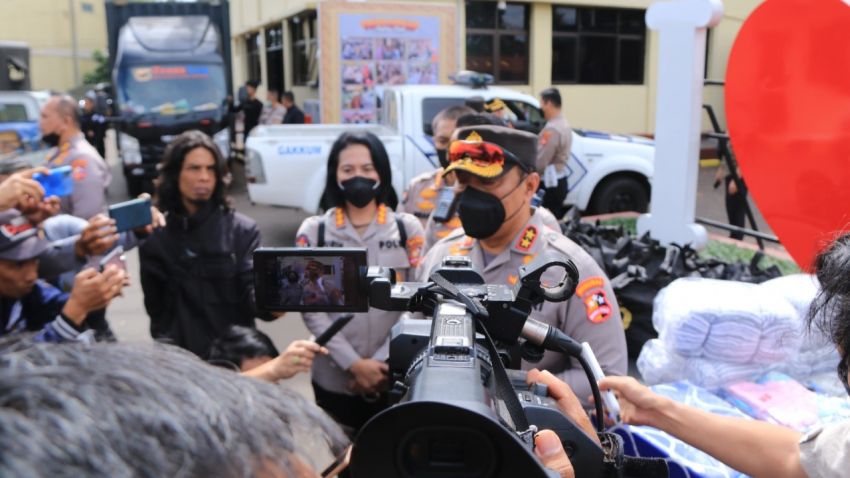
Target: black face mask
482	214
442	157
359	191
51	139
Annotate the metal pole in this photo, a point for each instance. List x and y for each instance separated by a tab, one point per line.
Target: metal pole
74	58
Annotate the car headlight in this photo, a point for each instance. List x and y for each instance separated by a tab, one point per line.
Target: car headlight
254	171
131	152
222	140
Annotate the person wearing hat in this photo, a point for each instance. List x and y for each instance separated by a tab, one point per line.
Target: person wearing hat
497	179
499	110
29	304
553	152
437	228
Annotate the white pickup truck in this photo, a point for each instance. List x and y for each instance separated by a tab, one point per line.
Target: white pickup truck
286	164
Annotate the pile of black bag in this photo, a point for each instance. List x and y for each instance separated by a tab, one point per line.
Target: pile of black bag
639	267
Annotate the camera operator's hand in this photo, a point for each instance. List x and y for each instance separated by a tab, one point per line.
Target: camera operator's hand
566	400
370	376
550	452
98	237
93	291
638	404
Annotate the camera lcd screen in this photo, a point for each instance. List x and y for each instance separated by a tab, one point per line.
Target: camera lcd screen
309	280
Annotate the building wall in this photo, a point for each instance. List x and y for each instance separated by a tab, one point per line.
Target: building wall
45	25
614	108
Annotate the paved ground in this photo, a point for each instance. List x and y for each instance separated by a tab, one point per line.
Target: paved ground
278	226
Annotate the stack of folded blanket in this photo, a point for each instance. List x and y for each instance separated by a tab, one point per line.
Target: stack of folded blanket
714	332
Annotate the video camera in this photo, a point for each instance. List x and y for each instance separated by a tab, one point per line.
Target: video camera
457	411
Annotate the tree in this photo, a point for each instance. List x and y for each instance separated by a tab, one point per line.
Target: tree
101	71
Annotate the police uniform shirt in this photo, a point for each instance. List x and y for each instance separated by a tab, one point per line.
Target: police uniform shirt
553	148
422	194
825	451
90	173
436	230
590	315
368	334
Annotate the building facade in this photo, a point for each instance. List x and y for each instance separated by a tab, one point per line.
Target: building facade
599	53
62	36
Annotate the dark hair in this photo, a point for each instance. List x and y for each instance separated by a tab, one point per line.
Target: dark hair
451	113
253	83
552	95
168	188
333	197
239	343
830	311
148	409
287	95
478	119
476	103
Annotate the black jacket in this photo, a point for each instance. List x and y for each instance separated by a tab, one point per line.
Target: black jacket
252	109
293	115
197	277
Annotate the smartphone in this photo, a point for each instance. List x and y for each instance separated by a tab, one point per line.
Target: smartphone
445	205
335	327
293	279
340	463
131	214
58	182
115	257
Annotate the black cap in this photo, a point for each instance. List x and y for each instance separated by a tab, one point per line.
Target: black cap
19	240
520	148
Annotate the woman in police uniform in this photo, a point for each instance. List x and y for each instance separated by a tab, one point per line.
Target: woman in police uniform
360	199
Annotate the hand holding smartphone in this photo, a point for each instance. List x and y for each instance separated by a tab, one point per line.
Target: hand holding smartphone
131	214
116	258
58	182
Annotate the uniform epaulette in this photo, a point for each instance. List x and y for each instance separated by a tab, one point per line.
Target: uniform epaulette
427	176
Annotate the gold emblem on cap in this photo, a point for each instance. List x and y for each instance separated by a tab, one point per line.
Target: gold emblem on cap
474	136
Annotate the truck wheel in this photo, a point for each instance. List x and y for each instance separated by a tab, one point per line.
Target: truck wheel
618	194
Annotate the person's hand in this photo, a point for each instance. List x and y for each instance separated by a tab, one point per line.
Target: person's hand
49	207
733	188
21	191
638	404
98	237
370	376
93	291
298	357
566	400
550	452
157	219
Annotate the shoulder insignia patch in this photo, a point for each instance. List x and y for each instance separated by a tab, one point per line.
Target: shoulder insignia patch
382	214
302	241
527	239
544	137
340	218
414	250
595	299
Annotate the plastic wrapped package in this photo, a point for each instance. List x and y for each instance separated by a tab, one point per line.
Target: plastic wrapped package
827	384
778	398
800	291
813	362
684	460
658	365
725	321
713	374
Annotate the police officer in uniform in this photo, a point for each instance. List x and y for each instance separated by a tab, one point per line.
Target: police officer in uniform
423	193
93	123
438	228
495	167
553	152
60	128
349	383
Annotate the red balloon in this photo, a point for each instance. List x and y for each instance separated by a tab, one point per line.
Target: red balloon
788	109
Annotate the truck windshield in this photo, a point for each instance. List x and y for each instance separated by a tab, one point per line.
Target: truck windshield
171	89
13	113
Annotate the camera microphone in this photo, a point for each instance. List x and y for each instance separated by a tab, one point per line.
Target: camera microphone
552	338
